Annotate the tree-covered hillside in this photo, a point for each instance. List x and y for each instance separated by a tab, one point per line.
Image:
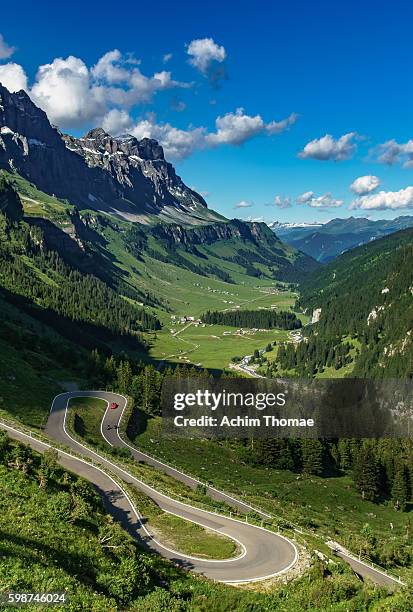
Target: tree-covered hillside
367	294
40	282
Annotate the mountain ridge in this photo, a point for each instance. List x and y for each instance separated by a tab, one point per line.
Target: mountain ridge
122	176
338	235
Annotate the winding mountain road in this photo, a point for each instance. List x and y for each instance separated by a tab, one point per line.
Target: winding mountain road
110	430
261	554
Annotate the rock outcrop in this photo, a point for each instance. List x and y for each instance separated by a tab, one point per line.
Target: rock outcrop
123	176
209	234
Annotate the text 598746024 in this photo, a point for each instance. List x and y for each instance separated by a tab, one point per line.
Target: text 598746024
13	598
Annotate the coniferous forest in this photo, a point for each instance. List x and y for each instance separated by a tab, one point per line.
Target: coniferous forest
39	280
265	319
364	295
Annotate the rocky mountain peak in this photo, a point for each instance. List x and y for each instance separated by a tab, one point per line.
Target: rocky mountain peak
96	133
150	149
20	115
145	149
123	176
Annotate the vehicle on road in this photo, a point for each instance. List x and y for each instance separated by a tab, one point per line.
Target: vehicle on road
114	405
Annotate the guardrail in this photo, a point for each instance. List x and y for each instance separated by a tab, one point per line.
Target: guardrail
268	524
336	547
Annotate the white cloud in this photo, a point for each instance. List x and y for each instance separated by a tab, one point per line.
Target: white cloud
167	58
115	69
275	127
236	128
243	204
231	129
385	200
72	94
328	148
392	152
13	77
5	49
117	121
177	143
282	202
324	201
203	52
365	184
305	197
111	68
63	89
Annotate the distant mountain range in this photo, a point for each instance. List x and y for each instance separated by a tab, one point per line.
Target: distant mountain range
326	241
277	226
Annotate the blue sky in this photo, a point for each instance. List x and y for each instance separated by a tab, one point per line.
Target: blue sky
345	69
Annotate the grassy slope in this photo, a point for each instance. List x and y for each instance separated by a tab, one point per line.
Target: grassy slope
180	291
374	277
186	293
19	372
42	552
31	374
175	532
87	414
183	291
148	274
338	513
39	204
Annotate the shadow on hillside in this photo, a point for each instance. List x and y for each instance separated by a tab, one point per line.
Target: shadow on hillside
86	335
134	526
86	251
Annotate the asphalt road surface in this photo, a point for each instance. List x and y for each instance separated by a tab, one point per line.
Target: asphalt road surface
367	571
110	432
261	553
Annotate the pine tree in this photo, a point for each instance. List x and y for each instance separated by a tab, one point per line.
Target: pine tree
344	454
124	376
274	452
312	456
146	389
366	474
399	492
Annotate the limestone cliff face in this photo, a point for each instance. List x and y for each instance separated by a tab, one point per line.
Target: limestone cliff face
124	176
208	234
